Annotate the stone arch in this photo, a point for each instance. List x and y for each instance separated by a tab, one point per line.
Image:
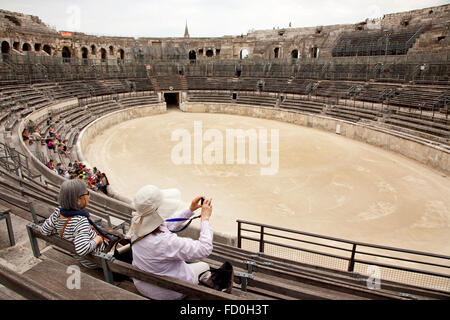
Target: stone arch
192	55
47	49
26	47
111	50
84	53
93	50
103	53
276	52
243	54
209	53
295	54
121	54
66	54
6	48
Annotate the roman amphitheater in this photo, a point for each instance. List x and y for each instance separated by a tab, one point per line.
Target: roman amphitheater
335	184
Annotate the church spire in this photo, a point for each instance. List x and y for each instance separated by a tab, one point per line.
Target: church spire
186	31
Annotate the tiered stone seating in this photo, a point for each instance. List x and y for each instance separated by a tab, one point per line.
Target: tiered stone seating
370	42
212	83
128	102
117	86
167	82
76	88
210	96
256	99
421	98
298	86
274	84
102	107
21	98
247	84
53	90
376	92
334	89
97	88
302	105
142	84
353	114
437	131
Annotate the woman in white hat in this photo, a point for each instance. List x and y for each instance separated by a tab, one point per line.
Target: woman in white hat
159	251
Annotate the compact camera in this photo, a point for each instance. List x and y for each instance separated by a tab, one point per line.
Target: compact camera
202	200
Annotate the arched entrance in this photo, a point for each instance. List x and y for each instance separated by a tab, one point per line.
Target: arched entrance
47	49
122	54
26	47
192	55
294	54
209	53
5	47
84	53
172	99
103	53
276	52
314	52
243	54
66	54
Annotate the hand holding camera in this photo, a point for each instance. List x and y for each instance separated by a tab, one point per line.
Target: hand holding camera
206	209
205	204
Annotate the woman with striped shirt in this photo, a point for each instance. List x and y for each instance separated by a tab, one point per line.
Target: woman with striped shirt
72	222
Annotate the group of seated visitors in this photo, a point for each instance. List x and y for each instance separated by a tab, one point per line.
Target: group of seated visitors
58	146
31	133
53	141
157	249
94	178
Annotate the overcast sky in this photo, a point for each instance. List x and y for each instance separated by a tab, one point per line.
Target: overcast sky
205	18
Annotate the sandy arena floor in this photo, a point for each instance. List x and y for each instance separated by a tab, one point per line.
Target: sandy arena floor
326	184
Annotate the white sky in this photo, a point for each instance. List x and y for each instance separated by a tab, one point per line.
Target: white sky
206	18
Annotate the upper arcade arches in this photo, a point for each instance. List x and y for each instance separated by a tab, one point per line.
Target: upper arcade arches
103	53
243	54
121	54
26	47
84	53
6	48
192	55
66	53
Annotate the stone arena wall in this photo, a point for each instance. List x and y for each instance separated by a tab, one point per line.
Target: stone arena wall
410	147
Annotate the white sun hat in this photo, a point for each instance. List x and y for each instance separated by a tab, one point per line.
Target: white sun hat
153	206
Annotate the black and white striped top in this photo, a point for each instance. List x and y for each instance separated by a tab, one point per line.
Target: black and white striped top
78	230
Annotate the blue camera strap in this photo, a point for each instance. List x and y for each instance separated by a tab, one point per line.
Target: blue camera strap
182	219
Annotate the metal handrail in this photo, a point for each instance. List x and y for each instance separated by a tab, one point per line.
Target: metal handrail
351	259
343	240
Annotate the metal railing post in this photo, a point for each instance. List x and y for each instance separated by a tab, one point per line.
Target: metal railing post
10	229
107	272
239	244
261	240
351	263
33	241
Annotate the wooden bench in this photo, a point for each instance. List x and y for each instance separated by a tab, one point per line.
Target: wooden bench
5	214
110	265
25	287
88	287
